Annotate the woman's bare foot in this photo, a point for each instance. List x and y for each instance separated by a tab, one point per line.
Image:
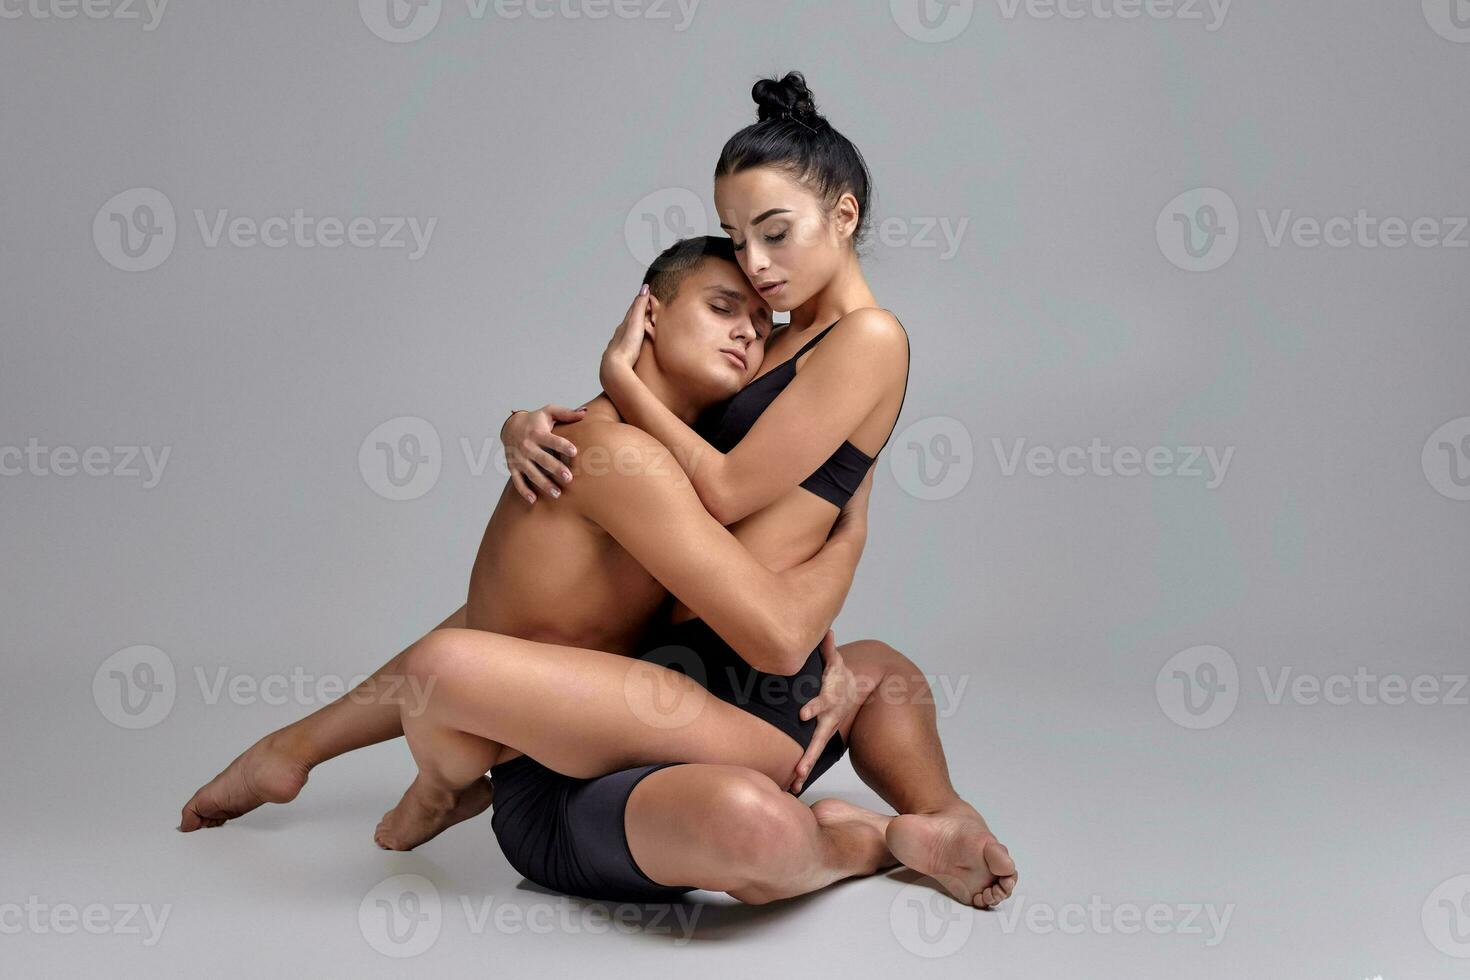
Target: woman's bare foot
267	772
871	853
957	849
425	812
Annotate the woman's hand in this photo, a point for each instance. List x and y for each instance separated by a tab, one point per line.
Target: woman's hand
839	695
529	445
622	351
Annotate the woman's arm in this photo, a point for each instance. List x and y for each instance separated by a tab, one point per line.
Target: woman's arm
843	379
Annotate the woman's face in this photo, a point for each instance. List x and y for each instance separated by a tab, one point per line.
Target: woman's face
788	241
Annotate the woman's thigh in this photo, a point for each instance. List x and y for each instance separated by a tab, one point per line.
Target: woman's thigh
585	713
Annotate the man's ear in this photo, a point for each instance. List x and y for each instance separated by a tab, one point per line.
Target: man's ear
650	319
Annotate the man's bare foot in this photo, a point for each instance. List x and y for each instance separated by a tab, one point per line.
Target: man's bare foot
957	849
425	812
871	854
267	772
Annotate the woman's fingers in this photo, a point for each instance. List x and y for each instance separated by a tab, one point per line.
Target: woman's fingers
562	414
537	479
519	483
551	465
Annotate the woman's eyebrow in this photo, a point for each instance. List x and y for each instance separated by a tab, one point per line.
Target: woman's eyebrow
760	217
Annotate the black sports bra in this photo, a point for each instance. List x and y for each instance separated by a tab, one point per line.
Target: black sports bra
835	480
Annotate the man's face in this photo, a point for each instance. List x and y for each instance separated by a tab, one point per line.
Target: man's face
710	338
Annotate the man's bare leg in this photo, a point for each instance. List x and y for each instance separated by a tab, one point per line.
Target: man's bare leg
893	740
274	769
732	829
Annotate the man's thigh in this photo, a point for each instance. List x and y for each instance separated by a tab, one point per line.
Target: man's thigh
702	825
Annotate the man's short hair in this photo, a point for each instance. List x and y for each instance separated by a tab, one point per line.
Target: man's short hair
667	271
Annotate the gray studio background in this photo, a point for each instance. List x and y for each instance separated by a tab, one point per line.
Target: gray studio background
1066	614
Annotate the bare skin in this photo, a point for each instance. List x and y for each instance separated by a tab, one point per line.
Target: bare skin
911	774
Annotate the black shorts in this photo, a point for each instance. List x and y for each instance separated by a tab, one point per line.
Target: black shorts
568	834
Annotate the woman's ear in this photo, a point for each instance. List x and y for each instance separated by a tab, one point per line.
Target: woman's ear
845	215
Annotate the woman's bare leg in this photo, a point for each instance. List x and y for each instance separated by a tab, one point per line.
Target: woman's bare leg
731	829
274	769
582	713
893	741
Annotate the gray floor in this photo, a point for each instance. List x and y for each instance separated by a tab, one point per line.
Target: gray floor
1289	841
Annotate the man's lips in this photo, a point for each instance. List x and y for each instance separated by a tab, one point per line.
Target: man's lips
737	357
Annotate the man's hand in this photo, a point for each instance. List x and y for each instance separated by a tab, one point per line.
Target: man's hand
627	342
837	698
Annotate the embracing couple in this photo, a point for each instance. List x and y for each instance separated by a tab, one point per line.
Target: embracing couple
643	664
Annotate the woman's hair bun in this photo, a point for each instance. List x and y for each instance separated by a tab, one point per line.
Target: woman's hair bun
787	96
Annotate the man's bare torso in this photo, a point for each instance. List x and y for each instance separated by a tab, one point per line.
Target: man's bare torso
544	572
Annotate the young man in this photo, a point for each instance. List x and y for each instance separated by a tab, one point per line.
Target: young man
622	540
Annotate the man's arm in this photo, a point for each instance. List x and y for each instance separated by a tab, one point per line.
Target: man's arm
629	485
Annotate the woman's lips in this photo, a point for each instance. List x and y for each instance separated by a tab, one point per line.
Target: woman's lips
735	359
772	289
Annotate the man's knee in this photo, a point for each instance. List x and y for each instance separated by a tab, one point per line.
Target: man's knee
758	828
885	672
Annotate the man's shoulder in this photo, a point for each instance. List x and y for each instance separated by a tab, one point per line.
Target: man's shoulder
619	461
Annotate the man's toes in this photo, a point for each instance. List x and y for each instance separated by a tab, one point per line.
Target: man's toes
998	859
